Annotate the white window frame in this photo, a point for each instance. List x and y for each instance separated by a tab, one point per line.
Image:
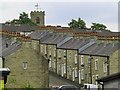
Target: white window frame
76	73
105	67
64	68
75	58
97	76
96	64
73	75
82	74
82	59
25	65
50	63
70	71
64	52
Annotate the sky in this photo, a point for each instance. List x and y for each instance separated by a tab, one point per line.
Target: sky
62	11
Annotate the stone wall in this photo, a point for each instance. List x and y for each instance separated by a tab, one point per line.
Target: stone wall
28	68
115	62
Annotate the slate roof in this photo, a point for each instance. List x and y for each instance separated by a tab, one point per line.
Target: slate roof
115	76
74	43
101	49
18	27
37	35
107	33
54	39
12	46
11	49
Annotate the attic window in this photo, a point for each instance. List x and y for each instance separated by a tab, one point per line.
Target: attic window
25	65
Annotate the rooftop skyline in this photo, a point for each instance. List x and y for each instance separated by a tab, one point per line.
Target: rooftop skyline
61	13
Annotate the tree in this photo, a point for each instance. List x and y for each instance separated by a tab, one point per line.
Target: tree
23	19
73	24
97	26
15	21
79	24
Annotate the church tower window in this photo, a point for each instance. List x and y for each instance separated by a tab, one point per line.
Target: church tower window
37	20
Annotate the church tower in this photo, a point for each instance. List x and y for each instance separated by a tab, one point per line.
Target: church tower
38	17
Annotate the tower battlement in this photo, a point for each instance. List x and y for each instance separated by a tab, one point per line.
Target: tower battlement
38	17
37	12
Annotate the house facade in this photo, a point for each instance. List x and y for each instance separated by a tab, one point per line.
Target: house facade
24	62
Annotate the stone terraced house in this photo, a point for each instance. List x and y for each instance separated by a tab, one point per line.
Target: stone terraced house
81	59
28	67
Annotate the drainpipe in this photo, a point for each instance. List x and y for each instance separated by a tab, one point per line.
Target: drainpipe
39	47
56	59
90	68
66	63
108	66
47	50
3	63
78	64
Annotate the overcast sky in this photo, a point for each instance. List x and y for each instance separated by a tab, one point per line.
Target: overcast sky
60	13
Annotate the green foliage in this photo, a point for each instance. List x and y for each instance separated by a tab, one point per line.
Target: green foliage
23	19
80	24
77	24
98	26
28	86
12	80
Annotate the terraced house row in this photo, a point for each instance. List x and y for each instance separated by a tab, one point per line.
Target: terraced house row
80	58
21	59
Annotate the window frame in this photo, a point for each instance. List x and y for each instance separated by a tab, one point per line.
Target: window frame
76	58
96	64
25	65
82	59
82	74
